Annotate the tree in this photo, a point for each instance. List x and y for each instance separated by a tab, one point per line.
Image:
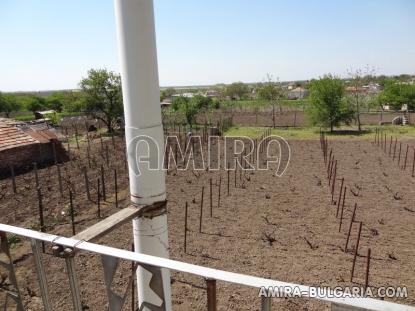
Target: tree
103	96
167	93
55	101
271	92
328	105
34	103
396	94
8	104
359	77
236	90
188	107
202	102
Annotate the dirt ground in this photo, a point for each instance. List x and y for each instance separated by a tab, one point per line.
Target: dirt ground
294	209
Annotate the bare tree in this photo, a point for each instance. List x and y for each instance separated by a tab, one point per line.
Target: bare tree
358	78
271	91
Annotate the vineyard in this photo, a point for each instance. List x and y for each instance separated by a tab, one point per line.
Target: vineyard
340	215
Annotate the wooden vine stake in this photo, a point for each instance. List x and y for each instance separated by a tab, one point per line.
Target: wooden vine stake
406	157
355	251
399	156
116	187
341	212
350	227
334	181
413	164
228	172
211	197
72	212
220	184
338	205
36	174
13	179
60	179
104	194
367	268
88	194
201	210
394	149
98	199
185	228
340	196
390	146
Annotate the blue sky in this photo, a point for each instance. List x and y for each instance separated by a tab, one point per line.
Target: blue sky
50	44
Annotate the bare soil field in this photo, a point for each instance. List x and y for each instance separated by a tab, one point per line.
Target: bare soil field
283	228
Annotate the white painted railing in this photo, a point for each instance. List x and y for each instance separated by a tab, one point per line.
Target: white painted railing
209	274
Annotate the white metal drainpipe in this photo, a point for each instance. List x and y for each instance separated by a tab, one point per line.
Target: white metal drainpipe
141	94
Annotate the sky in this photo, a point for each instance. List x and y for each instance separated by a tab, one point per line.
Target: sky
51	44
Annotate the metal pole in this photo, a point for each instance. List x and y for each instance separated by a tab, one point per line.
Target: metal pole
73	281
43	284
265	303
141	98
211	294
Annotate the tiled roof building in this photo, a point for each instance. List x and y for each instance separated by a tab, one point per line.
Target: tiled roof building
20	146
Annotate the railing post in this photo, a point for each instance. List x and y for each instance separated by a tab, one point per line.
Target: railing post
41	274
211	294
73	280
265	303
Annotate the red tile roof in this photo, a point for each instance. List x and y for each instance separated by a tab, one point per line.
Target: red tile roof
43	137
12	137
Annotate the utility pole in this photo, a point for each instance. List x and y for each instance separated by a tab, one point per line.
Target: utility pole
141	96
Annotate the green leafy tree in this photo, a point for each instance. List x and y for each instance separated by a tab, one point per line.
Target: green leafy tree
55	101
237	90
202	102
188	107
74	101
8	104
396	94
271	92
167	93
215	103
34	103
103	96
328	106
66	101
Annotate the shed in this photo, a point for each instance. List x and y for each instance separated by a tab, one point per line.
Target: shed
21	147
43	114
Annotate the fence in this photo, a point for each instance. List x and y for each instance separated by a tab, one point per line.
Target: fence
68	247
284	117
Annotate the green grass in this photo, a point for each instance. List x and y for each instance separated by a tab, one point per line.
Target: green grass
13	240
343	133
24	117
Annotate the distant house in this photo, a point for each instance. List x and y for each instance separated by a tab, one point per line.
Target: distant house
187	95
291	86
21	145
212	94
354	90
165	104
43	114
372	88
404	107
298	93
